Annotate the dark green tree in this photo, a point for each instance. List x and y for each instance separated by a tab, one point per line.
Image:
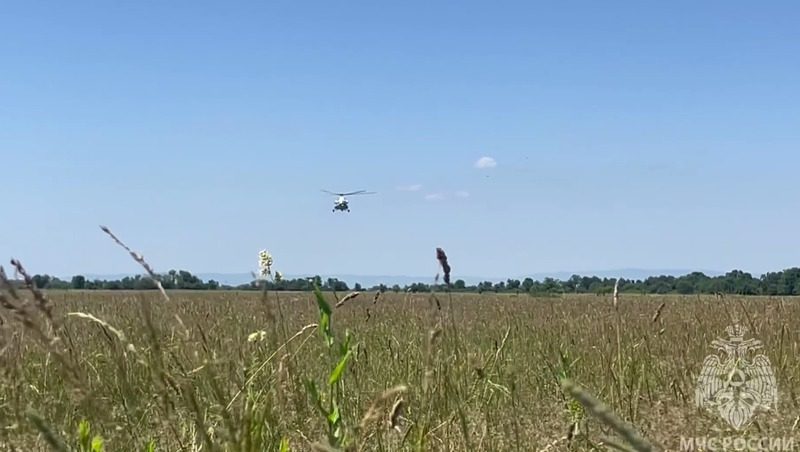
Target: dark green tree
78	282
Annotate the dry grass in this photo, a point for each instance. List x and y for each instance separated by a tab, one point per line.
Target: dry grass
467	372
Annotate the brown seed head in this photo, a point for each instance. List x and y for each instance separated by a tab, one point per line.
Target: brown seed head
347	298
442	258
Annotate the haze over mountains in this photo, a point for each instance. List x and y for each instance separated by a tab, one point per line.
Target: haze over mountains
234	279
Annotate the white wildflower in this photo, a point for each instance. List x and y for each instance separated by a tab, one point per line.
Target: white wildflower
257	336
264	263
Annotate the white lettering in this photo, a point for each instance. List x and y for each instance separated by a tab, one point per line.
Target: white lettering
688	444
736	443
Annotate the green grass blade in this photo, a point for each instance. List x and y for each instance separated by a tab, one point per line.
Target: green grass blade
324	316
336	375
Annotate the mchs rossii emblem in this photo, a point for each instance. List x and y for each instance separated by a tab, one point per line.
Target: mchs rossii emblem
734	386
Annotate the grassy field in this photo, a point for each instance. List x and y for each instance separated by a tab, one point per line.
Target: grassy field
237	371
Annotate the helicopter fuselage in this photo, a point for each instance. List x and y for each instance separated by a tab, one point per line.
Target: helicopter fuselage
341	204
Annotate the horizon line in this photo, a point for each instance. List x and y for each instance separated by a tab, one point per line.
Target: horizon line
655	272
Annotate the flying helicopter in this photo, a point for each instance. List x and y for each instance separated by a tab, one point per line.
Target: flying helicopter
342	203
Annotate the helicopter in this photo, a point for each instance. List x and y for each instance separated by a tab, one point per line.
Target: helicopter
342	203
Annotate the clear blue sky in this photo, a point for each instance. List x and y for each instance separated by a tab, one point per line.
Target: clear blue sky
625	134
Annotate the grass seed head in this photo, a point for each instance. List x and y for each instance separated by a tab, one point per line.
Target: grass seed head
347	298
442	258
139	259
394	415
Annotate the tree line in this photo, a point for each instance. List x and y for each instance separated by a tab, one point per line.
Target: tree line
786	282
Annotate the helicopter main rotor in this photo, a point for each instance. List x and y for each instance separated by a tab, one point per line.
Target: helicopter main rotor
359	192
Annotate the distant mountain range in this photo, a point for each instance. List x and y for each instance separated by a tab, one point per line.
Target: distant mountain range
234	279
